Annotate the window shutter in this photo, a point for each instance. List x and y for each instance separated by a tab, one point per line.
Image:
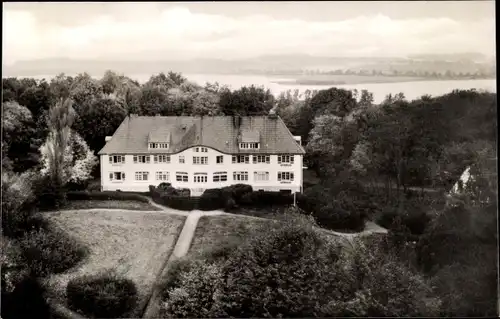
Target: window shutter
123	176
135	159
291	159
110	159
279	159
291	176
111	176
279	176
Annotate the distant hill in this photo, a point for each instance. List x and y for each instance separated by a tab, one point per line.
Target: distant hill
268	64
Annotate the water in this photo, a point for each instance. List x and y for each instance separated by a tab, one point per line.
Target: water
411	90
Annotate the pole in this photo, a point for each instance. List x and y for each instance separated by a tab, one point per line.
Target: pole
294	199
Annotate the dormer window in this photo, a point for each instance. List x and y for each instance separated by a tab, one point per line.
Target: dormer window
158	146
246	146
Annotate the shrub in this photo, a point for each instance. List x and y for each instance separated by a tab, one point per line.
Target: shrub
237	191
26	301
49	193
106	195
177	202
18	204
212	199
51	250
102	296
265	199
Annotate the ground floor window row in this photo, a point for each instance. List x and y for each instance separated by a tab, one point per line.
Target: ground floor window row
239	176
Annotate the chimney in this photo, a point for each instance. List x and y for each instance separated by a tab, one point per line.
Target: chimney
107	138
272	114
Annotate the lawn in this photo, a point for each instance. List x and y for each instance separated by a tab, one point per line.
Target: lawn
133	244
116	204
213	231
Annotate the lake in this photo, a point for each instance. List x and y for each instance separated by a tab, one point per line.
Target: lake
411	90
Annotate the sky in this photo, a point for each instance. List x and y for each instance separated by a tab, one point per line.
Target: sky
227	30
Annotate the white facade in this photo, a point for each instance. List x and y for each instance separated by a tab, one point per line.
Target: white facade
200	171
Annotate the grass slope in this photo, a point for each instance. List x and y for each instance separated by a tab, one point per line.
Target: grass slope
131	243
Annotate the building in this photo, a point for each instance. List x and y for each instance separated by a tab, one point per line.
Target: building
202	152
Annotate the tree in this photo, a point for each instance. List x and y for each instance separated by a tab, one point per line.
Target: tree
338	102
251	100
100	119
459	249
20	142
84	91
205	103
79	161
61	118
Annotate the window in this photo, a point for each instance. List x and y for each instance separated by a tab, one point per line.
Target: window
240	176
201	160
220	159
200	177
220	176
162	176
261	176
261	159
285	159
181	176
161	159
141	176
241	159
116	176
141	159
196	149
181	159
249	145
285	176
203	149
158	145
116	159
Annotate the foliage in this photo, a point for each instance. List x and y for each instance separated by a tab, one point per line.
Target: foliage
105	195
290	269
50	250
27	292
102	296
100	119
18	203
251	100
459	248
78	163
334	101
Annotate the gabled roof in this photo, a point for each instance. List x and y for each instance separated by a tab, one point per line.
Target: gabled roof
218	132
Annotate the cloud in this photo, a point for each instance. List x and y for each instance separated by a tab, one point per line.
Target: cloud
179	33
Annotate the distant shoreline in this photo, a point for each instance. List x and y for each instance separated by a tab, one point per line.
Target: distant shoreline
373	80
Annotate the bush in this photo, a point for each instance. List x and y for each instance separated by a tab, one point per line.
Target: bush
18	204
290	269
26	301
49	193
106	195
212	199
236	191
266	199
177	202
102	296
50	250
328	212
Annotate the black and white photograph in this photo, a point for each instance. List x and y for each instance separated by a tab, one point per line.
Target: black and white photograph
249	159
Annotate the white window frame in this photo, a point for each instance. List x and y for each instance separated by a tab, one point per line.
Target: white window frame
240	176
241	159
252	145
203	149
141	176
286	176
116	159
113	175
161	158
142	159
261	176
285	159
182	159
200	160
221	158
219	177
181	177
158	146
196	149
200	178
257	159
162	176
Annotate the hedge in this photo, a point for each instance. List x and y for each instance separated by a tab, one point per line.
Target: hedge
102	296
106	195
177	202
